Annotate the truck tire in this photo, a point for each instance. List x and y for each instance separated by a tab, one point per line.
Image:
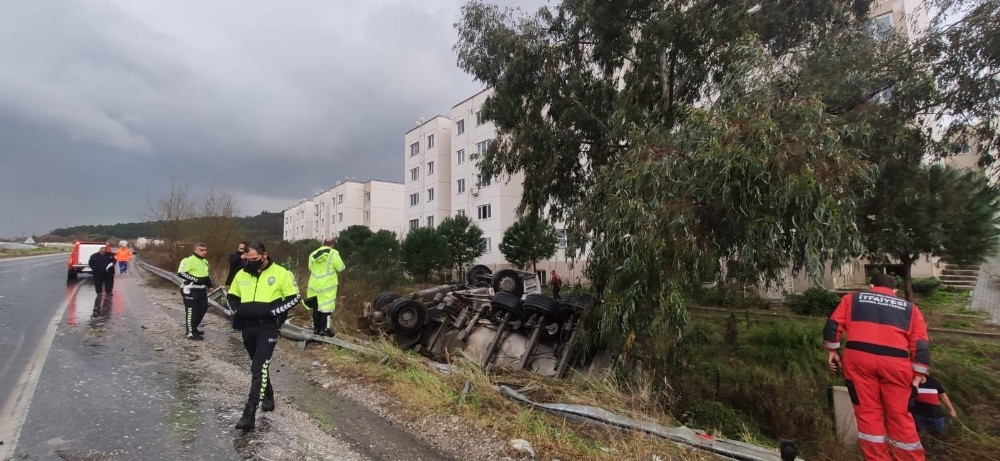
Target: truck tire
507	302
71	275
508	281
476	275
407	316
542	305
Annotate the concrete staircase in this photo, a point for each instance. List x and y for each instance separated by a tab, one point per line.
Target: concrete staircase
961	277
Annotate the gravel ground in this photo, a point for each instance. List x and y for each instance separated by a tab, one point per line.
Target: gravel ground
389	435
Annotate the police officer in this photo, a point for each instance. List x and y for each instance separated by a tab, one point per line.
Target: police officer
102	267
195	290
321	293
260	296
886	355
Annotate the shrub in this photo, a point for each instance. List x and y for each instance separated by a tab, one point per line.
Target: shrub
927	286
814	301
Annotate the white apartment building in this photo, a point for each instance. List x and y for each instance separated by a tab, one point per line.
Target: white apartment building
427	173
374	204
442	179
298	223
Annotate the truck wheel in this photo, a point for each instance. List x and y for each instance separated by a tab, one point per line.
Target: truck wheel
508	281
476	274
71	275
407	316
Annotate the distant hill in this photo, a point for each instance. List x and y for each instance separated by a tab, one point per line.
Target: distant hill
265	226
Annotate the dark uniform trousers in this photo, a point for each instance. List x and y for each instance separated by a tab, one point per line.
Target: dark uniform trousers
104	282
259	338
195	307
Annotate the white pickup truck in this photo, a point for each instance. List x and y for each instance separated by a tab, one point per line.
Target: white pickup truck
80	255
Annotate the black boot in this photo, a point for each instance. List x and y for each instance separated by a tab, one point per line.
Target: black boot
267	404
246	423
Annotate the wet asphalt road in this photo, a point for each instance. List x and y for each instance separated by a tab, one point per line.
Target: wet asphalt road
119	383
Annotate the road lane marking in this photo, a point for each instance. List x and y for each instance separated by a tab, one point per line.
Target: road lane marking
15	410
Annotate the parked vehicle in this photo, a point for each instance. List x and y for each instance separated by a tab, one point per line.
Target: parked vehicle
80	255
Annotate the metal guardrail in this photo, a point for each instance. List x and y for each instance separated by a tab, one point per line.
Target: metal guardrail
288	330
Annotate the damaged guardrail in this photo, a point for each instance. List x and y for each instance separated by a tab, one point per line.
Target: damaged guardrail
684	435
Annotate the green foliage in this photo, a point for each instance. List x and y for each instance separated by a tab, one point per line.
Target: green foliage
926	286
265	226
677	133
937	211
424	251
731	296
529	240
814	301
350	240
465	240
380	251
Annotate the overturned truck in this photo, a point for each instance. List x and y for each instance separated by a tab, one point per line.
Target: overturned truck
497	320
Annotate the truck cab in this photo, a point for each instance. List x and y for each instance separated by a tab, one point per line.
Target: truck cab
80	256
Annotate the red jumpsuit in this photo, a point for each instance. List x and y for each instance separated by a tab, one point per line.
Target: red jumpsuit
886	346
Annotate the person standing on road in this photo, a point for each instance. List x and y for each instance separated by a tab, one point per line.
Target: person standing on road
321	293
123	256
261	296
887	355
197	284
236	263
102	266
556	284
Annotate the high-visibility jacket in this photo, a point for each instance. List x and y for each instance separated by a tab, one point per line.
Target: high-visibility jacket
879	323
123	255
195	272
265	296
324	264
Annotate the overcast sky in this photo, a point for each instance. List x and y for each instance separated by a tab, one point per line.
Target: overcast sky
104	102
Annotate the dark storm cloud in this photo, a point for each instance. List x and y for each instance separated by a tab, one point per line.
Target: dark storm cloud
104	103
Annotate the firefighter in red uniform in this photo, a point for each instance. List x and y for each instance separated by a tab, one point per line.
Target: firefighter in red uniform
887	354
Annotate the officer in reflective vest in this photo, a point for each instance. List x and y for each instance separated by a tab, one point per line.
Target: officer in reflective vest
321	294
261	295
887	355
195	290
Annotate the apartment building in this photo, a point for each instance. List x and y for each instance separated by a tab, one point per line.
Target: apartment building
298	223
374	204
442	179
427	173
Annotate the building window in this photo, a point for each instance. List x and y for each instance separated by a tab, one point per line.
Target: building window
882	26
414	199
460	127
368	197
414	149
430	222
430	195
368	216
482	181
430	142
460	186
489	245
460	156
561	235
430	168
340	217
340	199
460	212
479	118
414	223
482	147
484	211
414	174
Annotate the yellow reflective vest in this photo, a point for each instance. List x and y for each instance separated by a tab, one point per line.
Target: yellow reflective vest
268	294
324	264
194	270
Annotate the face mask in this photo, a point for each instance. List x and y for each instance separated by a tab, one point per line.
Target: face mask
254	266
